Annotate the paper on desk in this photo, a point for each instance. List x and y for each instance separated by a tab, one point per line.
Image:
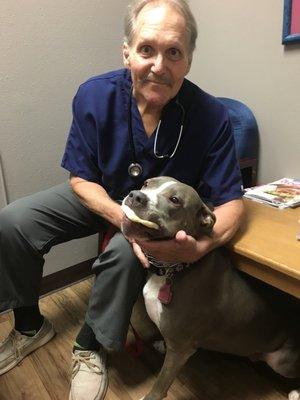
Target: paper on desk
283	193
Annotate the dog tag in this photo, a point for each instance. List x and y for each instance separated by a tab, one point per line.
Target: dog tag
165	293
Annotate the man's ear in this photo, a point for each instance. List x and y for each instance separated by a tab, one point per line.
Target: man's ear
190	64
126	53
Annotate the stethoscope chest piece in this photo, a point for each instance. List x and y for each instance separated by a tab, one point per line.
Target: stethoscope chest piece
135	170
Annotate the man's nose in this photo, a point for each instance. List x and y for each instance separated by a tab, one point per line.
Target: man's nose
158	66
137	198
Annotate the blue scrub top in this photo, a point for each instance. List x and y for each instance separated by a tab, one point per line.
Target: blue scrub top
98	147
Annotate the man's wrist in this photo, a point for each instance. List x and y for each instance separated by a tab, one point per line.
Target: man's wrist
205	245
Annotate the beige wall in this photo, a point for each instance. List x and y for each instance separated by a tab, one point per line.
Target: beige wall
47	48
240	55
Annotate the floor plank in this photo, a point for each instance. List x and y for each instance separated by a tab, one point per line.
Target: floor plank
44	375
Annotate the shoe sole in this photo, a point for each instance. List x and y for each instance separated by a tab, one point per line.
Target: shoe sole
45	339
105	388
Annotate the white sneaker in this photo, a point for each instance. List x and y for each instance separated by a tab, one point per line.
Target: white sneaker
17	346
294	395
89	375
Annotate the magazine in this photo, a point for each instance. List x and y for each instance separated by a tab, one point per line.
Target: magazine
282	193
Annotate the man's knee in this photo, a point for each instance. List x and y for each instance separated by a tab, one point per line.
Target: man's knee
120	256
14	218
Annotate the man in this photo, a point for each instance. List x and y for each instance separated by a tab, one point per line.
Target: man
128	125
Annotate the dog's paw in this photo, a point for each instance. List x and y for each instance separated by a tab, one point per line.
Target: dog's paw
160	346
294	395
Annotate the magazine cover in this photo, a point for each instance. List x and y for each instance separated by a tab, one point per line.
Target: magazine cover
282	193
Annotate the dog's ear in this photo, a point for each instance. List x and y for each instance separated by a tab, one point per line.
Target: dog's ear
206	219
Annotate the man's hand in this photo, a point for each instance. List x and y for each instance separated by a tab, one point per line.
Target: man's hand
183	248
140	254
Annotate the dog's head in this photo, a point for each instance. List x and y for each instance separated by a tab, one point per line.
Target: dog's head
164	206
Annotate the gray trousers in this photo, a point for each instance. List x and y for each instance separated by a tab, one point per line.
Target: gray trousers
30	226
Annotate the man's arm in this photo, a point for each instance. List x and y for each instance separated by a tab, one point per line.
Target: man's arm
95	198
229	218
184	248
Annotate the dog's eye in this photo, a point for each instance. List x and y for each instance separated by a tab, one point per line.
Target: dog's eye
146	183
174	200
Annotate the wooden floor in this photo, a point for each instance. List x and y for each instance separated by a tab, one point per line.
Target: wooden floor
44	375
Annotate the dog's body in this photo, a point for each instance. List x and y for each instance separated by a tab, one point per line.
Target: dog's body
212	305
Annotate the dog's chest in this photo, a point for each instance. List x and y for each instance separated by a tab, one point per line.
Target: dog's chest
153	305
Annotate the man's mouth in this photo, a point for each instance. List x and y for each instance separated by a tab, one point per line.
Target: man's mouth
156	83
131	215
162	80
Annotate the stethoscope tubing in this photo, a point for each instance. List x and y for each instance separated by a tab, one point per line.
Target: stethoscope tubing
135	169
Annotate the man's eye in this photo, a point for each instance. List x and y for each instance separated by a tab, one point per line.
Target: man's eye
174	54
146	50
174	200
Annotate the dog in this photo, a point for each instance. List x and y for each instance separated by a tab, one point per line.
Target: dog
213	305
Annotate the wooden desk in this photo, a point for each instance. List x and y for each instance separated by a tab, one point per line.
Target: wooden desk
266	246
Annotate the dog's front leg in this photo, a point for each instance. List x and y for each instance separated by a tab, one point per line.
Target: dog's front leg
173	362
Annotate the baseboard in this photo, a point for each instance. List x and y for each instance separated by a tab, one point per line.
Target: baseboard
66	277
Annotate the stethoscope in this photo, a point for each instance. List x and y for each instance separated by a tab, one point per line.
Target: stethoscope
135	169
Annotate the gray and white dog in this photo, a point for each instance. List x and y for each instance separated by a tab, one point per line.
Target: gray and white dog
212	305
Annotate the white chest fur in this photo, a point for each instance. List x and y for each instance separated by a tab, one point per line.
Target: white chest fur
153	305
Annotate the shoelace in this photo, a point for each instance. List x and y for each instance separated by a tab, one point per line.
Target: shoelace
15	337
85	359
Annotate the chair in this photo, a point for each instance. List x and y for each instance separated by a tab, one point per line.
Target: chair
245	131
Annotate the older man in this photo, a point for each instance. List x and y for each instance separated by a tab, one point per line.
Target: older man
128	125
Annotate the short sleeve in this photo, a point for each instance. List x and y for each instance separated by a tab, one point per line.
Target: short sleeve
81	152
221	178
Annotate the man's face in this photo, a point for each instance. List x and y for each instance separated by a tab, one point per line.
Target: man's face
158	56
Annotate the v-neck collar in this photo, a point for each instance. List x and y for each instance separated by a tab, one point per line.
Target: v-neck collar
142	141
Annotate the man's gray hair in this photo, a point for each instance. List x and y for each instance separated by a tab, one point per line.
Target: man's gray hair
181	5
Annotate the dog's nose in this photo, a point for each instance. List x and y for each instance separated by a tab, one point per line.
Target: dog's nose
136	197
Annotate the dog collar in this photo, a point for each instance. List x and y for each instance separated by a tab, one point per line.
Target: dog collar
165	268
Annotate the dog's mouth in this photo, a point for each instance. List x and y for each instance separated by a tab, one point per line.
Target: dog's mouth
133	217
